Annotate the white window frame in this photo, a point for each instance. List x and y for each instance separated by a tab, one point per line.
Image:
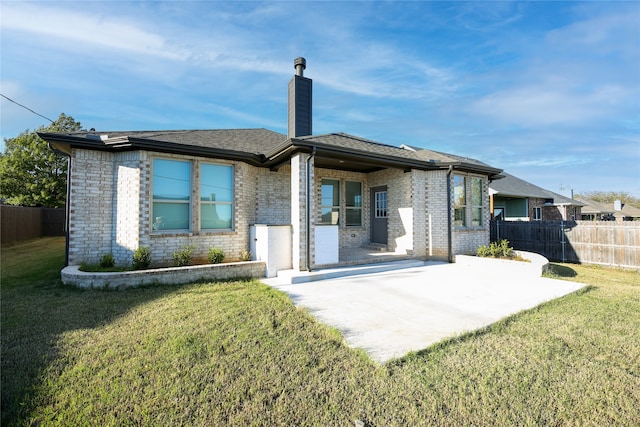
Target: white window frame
537	213
381	205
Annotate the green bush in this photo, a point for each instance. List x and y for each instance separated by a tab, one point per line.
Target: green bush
245	255
483	251
216	255
107	261
141	258
499	249
182	257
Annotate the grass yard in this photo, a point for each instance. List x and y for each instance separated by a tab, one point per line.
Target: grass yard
239	353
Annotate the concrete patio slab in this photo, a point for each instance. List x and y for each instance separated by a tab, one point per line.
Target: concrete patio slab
391	313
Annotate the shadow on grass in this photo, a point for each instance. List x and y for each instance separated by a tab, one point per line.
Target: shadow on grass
498	326
36	310
560	271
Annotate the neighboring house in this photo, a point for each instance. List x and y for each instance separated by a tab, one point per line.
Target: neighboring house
617	211
595	211
311	197
514	199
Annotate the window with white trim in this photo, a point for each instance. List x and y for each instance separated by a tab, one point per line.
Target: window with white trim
171	197
216	196
537	214
381	210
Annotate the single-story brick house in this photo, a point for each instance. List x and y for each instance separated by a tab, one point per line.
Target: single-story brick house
307	197
514	199
616	211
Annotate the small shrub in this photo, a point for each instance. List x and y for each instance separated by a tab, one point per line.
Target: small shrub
496	250
483	251
245	255
182	257
216	255
141	258
505	249
107	261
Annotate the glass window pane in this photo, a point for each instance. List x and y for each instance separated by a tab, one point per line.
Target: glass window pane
476	191
460	215
459	195
476	217
171	180
330	215
353	216
381	204
353	193
330	192
216	183
215	216
170	216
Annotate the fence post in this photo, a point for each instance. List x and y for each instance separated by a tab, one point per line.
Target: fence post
563	239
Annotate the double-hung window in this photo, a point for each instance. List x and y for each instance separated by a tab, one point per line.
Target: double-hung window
353	207
476	202
330	203
216	196
171	195
460	200
537	214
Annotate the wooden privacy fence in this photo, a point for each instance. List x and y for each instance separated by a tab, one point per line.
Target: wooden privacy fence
22	223
590	242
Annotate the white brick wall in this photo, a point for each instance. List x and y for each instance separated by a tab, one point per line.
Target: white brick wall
273	195
110	209
399	200
106	221
90	205
352	236
466	240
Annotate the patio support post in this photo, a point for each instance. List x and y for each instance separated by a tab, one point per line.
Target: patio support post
449	217
299	208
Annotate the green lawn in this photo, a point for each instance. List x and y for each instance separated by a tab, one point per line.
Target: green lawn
239	353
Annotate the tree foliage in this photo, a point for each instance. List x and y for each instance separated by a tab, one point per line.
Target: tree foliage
31	174
610	197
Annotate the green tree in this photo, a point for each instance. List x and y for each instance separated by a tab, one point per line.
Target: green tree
31	174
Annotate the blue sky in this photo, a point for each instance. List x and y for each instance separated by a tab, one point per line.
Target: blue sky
547	91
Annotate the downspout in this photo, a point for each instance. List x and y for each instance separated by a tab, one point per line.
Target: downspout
66	204
449	228
308	210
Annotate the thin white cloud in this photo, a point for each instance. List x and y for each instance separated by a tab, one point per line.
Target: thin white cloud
550	104
112	32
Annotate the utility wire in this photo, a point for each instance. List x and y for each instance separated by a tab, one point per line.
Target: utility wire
25	107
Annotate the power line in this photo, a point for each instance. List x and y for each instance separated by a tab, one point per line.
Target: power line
25	107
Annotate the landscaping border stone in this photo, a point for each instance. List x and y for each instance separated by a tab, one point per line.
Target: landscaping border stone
536	266
72	275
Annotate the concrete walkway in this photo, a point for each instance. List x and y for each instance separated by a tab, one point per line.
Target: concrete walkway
391	313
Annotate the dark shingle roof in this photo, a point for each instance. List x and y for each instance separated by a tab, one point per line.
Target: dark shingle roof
357	144
515	187
254	141
262	147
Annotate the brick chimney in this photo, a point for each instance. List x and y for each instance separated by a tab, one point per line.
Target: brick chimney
300	90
